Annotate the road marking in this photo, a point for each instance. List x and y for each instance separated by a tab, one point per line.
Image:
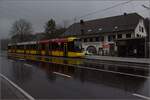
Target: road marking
122	65
103	70
113	72
11	60
21	59
62	74
141	96
16	86
28	65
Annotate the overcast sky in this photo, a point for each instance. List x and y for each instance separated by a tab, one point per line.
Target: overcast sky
38	12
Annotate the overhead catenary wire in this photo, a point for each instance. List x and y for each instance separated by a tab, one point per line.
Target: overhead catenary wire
102	10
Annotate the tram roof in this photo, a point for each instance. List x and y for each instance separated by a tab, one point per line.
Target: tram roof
72	38
10	44
69	39
58	40
27	43
43	41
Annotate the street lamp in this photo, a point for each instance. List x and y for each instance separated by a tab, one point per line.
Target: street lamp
148	9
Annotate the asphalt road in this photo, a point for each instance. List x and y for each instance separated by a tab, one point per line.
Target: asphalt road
76	79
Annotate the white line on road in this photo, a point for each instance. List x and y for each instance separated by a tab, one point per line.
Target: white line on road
106	71
21	59
113	72
17	87
141	96
62	74
28	65
11	60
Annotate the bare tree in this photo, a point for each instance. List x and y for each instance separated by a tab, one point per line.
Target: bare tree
65	23
21	30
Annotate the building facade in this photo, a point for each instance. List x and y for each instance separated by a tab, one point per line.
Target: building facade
98	36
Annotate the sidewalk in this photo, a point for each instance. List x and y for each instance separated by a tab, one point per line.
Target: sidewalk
120	59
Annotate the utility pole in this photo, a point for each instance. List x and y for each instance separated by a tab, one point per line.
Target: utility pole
148	9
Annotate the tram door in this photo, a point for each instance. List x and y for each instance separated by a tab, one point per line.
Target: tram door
47	49
65	49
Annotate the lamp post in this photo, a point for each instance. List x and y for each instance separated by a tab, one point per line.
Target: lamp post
148	9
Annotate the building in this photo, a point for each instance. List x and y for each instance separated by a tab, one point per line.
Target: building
131	47
147	25
98	36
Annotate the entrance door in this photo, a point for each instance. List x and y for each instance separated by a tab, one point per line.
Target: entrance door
100	51
47	49
65	50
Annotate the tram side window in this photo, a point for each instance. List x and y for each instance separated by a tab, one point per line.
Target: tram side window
27	47
77	46
54	46
30	47
50	46
70	46
43	46
33	47
13	47
61	46
18	47
57	46
9	47
22	46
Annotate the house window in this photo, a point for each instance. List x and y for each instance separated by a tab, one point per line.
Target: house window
82	31
79	40
102	38
114	37
97	39
85	40
100	29
142	29
82	40
94	39
88	39
138	35
111	37
91	40
119	36
128	35
139	28
89	30
116	27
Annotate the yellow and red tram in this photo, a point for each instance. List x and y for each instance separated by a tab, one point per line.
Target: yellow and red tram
67	47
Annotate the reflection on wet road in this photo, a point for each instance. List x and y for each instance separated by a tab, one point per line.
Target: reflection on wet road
69	78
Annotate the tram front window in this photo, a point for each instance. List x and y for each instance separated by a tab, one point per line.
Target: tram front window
77	46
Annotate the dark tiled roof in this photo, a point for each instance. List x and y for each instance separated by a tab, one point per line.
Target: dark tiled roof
104	25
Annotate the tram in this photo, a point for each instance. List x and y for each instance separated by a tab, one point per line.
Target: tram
64	47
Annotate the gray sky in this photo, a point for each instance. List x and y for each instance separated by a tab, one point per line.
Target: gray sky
38	12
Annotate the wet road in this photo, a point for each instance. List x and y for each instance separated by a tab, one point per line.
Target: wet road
78	79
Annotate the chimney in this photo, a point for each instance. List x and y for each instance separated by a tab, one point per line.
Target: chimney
81	22
82	27
125	14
